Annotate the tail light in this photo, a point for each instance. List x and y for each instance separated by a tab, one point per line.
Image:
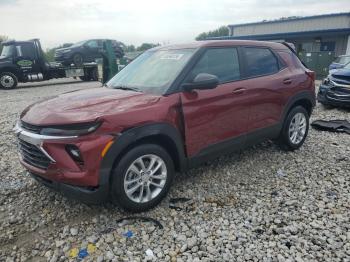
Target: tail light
311	74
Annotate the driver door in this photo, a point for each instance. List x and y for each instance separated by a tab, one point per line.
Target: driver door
216	119
92	50
26	58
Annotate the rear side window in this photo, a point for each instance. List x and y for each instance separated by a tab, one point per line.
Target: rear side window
259	61
221	62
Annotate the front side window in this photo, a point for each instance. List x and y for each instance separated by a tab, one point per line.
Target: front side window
26	50
221	62
259	61
153	71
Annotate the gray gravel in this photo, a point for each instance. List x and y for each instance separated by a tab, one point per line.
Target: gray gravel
261	205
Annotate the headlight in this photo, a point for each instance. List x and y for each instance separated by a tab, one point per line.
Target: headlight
326	81
66	51
71	130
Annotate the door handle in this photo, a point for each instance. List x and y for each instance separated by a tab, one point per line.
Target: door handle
287	81
238	90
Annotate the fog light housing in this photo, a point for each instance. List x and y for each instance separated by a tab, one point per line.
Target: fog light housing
75	154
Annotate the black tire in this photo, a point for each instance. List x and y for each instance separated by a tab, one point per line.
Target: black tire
84	78
8	80
327	106
284	139
120	197
78	59
94	74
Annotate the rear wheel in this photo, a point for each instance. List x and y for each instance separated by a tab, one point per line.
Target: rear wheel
295	129
8	80
142	178
78	59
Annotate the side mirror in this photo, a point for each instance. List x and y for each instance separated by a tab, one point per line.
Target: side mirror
202	81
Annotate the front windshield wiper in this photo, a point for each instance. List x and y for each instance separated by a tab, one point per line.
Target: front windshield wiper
127	88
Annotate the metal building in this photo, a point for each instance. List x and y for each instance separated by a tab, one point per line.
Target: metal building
318	39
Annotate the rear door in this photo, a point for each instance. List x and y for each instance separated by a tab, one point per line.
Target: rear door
267	79
216	119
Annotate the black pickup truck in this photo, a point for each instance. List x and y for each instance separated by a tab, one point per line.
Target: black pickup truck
24	61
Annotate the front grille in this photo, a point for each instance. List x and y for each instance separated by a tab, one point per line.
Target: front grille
31	128
341	79
32	155
338	96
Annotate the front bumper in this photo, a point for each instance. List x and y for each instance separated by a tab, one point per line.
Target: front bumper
87	195
63	173
329	96
62	57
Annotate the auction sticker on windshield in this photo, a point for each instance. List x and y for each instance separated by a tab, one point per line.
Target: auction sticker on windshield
172	56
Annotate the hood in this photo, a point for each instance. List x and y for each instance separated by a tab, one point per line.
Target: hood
5	60
58	50
85	106
341	73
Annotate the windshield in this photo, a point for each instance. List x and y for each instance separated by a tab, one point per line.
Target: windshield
153	71
8	51
347	66
342	59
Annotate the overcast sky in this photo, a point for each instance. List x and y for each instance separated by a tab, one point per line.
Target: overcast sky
134	22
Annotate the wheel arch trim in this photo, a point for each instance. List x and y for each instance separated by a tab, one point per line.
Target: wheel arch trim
304	95
131	137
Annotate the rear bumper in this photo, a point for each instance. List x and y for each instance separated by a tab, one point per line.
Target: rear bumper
88	195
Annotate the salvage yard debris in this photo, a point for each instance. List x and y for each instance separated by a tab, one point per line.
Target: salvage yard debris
332	125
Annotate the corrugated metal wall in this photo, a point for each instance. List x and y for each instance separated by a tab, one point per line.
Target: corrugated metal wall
302	25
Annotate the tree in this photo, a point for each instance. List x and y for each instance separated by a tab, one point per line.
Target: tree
50	52
221	31
130	48
3	38
146	46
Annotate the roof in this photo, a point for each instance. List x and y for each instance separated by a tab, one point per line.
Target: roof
11	42
221	43
293	19
284	35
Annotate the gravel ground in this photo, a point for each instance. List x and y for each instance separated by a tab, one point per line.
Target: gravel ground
263	204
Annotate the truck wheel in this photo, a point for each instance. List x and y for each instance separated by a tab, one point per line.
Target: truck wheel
78	59
295	129
142	178
8	80
84	78
94	74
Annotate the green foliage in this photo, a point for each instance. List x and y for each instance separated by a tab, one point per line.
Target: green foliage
3	38
130	48
50	52
221	31
146	46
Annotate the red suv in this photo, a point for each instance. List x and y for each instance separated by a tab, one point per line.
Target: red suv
170	109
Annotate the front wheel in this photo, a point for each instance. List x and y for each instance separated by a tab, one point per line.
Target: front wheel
142	178
295	129
8	80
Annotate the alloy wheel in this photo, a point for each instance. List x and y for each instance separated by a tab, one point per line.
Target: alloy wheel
297	128
145	178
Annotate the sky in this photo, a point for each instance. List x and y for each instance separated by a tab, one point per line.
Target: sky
135	22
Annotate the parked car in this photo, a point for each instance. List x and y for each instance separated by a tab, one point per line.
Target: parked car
335	89
340	62
170	109
85	52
